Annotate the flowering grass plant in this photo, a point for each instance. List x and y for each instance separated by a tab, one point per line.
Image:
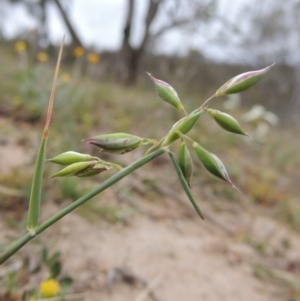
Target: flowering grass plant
85	165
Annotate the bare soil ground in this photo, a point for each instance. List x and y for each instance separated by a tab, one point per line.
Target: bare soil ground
178	259
164	251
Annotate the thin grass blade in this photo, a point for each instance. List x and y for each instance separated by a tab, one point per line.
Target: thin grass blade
185	184
36	188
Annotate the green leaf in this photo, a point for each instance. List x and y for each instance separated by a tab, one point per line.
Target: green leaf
66	281
185	184
45	255
36	190
54	258
55	268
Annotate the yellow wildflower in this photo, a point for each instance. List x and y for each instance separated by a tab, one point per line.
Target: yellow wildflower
65	77
17	101
20	46
93	58
42	56
78	52
49	288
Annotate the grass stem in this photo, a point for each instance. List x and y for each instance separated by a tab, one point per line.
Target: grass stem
17	245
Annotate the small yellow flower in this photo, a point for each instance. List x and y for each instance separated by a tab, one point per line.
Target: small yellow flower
65	77
78	52
93	58
17	101
20	46
49	288
42	56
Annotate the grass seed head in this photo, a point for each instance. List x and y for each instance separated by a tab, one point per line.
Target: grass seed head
183	125
226	121
116	143
167	93
242	82
185	162
75	168
212	163
70	157
92	170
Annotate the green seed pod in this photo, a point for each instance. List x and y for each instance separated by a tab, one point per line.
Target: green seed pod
212	163
75	168
242	82
226	121
167	93
70	158
183	125
185	162
117	143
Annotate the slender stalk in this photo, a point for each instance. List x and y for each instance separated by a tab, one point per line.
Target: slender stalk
53	90
203	105
156	144
17	245
182	136
206	101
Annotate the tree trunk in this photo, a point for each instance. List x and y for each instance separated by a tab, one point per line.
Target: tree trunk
126	49
43	30
70	27
132	56
133	66
292	112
